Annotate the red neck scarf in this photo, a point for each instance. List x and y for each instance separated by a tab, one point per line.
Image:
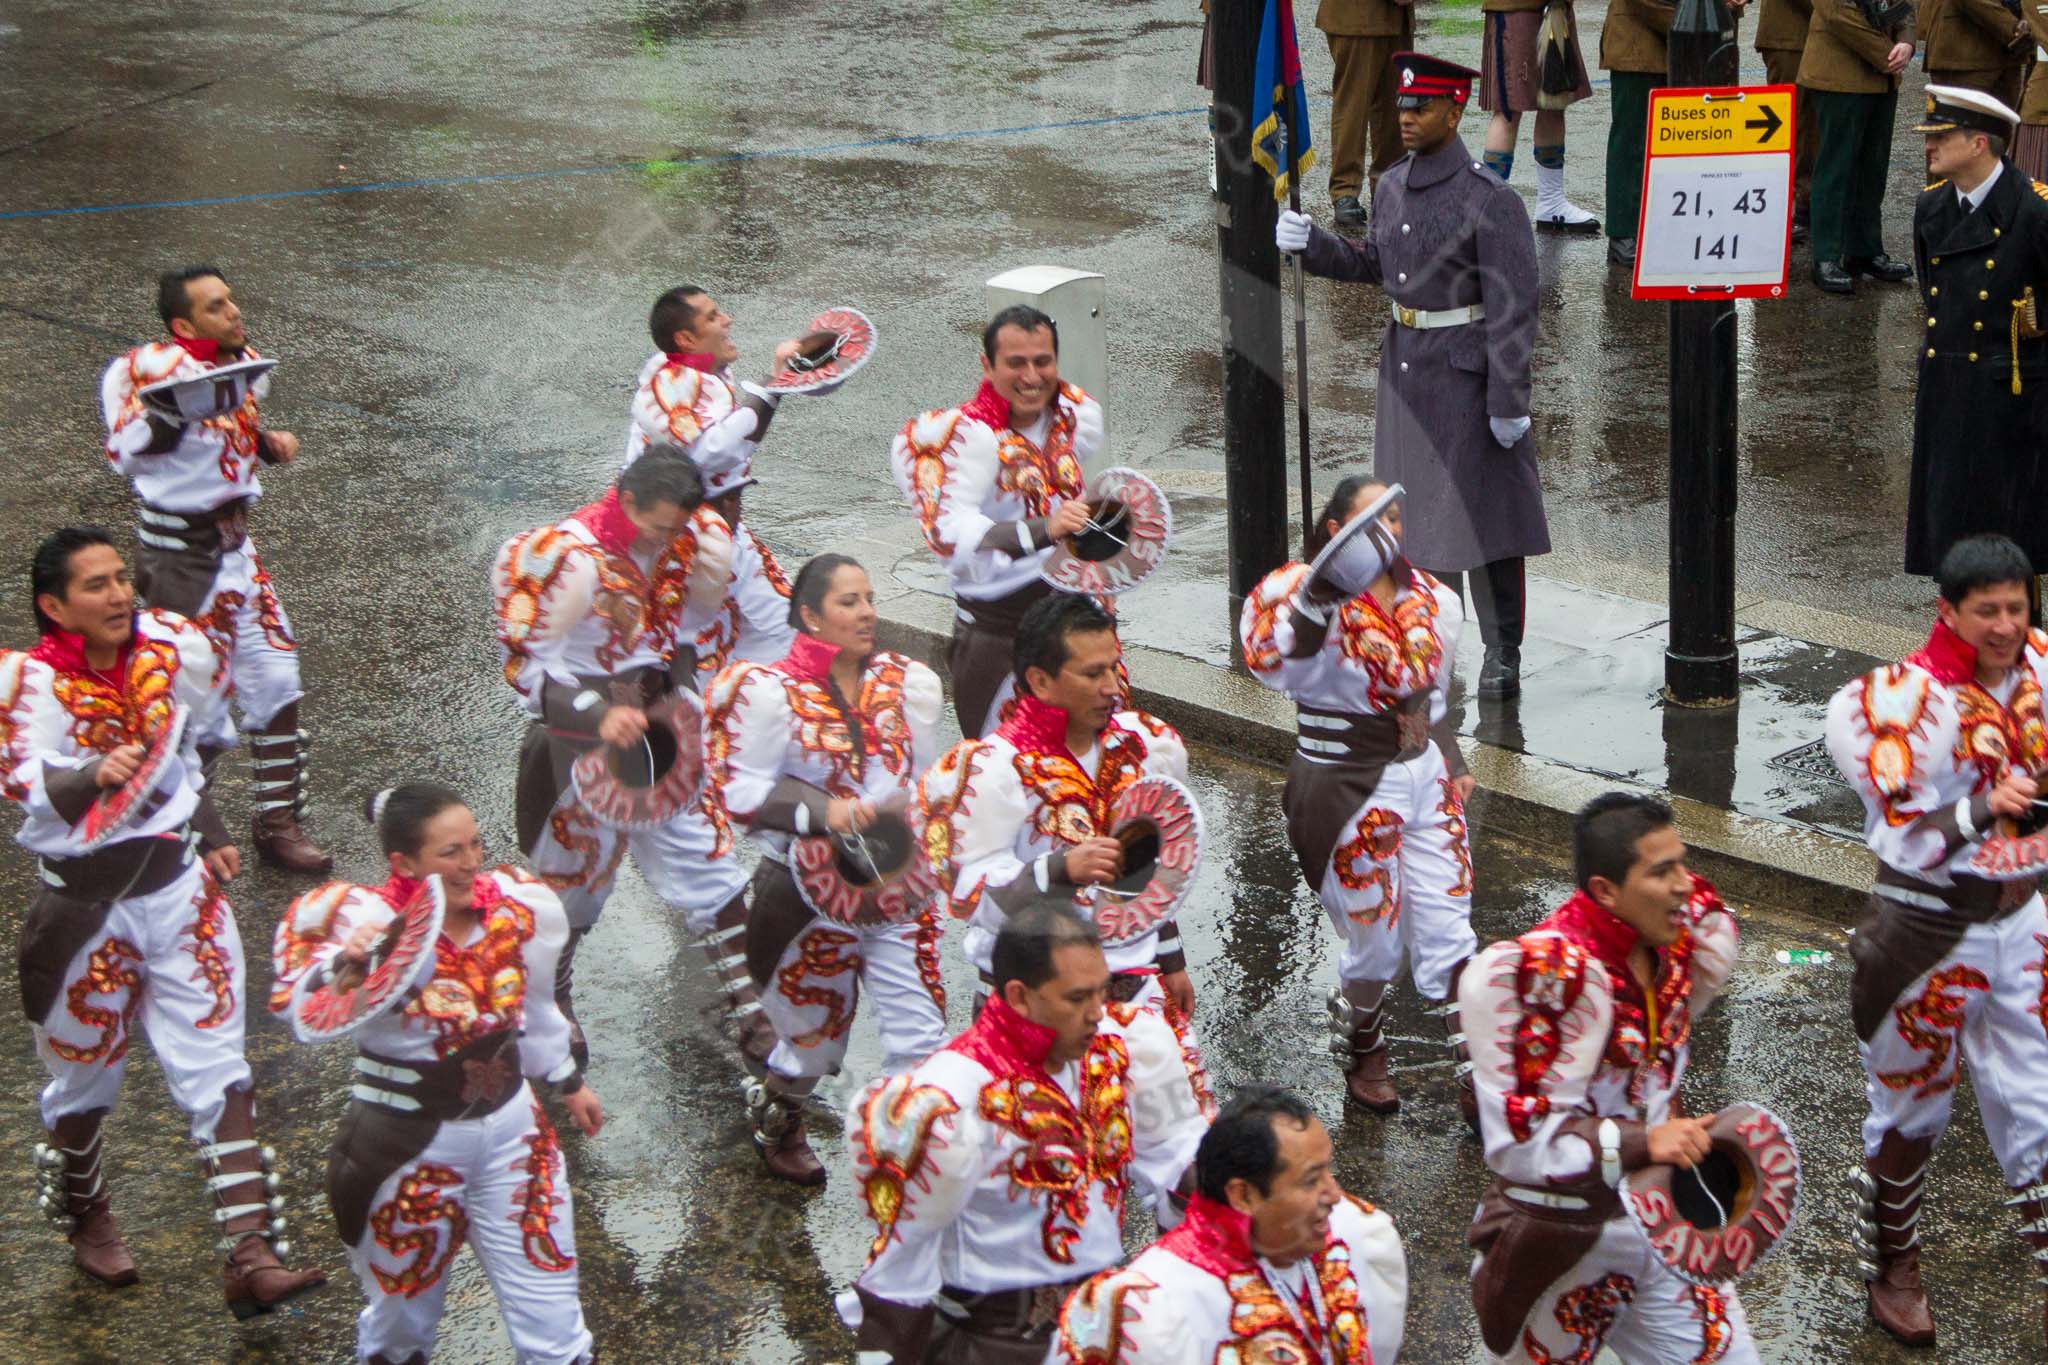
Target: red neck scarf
988	407
1213	1237
608	521
1037	727
202	349
1948	656
1603	935
809	659
694	360
1005	1041
65	653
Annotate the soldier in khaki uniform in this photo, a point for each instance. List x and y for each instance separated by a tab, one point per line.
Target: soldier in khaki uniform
1632	53
1781	42
2030	144
1976	44
1851	68
1363	35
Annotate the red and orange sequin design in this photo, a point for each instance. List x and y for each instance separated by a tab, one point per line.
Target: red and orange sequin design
1452	808
1992	738
1266	1330
1039	474
418	1201
822	954
1588	1313
159	360
1370	858
1071	807
577	830
1629	1048
1717	1334
1932	1022
1264	608
1398	651
1548	983
111	972
2041	969
1894	707
13	683
478	989
932	456
212	964
927	949
896	1139
537	1199
103	717
940	794
1067	1150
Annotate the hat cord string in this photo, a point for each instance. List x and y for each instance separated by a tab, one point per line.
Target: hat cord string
1700	1181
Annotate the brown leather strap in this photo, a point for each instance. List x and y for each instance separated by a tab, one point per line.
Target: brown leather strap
477	1079
1974	900
373	1143
778	914
1523	1250
1895	946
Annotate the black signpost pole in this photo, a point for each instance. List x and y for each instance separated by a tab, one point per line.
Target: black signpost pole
1254	408
1700	663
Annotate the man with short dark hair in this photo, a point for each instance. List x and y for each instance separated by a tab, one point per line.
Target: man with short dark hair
1025	810
1580	1032
1980	247
107	720
996	1171
594	616
195	485
1946	750
686	396
1273	1261
994	482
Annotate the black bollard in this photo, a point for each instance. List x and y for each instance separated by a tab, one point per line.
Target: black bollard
1254	411
1700	663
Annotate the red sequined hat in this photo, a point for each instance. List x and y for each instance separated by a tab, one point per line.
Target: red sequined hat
1419	77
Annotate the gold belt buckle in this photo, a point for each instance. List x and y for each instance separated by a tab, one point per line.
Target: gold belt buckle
1407	315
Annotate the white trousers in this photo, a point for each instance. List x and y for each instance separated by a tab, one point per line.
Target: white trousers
496	1183
173	959
817	985
689	861
1987	1003
245	619
1400	880
1621	1296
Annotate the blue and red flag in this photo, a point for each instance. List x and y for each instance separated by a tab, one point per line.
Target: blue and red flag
1277	98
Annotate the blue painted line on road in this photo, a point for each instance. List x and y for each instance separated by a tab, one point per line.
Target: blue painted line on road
513	177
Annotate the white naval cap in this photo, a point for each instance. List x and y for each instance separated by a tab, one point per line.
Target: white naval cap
1956	108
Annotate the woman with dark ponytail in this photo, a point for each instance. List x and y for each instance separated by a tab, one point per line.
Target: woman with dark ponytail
829	741
1376	791
444	1141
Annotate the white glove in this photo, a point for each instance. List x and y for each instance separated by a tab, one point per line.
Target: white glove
1508	430
1291	232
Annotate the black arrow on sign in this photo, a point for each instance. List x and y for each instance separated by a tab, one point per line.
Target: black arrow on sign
1770	123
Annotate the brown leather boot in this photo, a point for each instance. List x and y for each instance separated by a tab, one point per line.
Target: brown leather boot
1357	1041
277	766
251	1213
776	1106
565	984
74	1198
725	953
1461	1055
2032	1202
1887	1236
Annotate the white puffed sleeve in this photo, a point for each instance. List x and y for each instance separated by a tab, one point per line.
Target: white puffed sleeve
543	582
544	1031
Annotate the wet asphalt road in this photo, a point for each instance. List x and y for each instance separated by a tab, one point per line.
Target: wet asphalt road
457	355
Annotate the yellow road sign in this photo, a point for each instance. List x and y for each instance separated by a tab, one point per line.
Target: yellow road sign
1693	123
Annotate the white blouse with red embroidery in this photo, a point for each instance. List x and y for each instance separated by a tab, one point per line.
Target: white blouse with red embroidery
1922	742
56	713
768	722
966	470
699	410
1370	658
1007	802
502	977
575	599
212	462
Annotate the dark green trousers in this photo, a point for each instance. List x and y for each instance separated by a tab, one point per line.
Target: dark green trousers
1628	134
1853	153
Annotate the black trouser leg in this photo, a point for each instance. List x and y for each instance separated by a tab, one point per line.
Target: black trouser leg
1500	599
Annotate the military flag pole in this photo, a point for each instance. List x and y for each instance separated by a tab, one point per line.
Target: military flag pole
1308	505
1277	98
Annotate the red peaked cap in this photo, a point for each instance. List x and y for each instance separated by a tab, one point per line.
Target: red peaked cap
1419	76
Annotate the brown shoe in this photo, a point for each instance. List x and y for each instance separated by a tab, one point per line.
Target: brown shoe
1888	1237
74	1197
277	767
779	1133
250	1212
725	953
1358	1042
254	1281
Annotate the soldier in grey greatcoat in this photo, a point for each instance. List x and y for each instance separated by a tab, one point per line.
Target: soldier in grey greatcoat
1453	248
